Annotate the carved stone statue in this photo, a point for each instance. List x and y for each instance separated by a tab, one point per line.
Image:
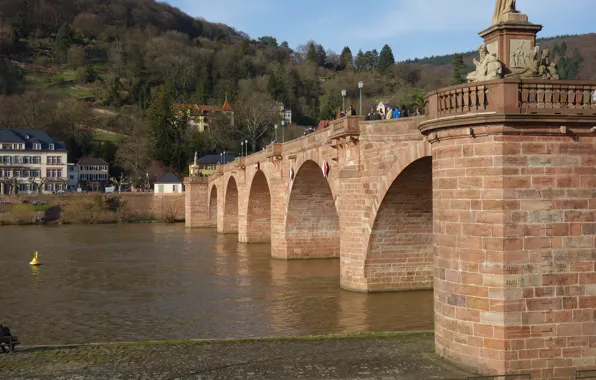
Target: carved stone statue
488	68
503	7
537	67
195	161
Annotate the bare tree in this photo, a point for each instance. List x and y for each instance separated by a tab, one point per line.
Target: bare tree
119	182
256	114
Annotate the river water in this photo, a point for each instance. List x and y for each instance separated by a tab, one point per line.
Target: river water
157	282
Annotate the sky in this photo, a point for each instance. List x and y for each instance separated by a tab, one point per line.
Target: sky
413	28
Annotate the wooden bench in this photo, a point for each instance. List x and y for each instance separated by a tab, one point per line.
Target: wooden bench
9	343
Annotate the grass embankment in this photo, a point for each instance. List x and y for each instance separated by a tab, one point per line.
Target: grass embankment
61	83
82	209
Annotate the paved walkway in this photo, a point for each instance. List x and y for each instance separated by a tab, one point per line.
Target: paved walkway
405	357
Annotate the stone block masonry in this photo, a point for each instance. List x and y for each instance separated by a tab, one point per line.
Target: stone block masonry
490	199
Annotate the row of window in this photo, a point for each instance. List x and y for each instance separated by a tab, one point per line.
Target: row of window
30	173
94	167
20	173
34	186
51	160
54	160
36	146
94	177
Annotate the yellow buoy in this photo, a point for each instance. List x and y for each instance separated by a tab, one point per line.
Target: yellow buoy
35	261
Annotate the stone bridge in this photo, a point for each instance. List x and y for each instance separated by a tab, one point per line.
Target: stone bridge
489	198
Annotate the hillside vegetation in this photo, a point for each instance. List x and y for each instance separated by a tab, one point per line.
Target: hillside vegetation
102	75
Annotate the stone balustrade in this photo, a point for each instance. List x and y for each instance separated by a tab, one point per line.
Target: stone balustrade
513	96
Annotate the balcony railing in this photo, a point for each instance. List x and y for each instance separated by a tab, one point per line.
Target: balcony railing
514	97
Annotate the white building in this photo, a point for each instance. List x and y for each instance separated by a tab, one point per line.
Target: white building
168	184
93	173
31	162
73	177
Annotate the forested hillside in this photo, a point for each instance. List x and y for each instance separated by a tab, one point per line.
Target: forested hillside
102	75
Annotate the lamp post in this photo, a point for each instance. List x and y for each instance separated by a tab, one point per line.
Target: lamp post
343	95
246	145
241	148
283	137
275	141
360	85
221	158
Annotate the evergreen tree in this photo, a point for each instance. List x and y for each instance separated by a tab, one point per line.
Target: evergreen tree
372	58
346	60
386	59
311	55
63	42
10	78
321	56
167	131
567	67
459	70
202	90
360	62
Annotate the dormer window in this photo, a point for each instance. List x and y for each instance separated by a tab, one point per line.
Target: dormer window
36	146
51	147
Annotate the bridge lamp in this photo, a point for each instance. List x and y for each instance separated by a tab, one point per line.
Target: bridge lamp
283	138
360	85
246	146
241	148
343	95
275	127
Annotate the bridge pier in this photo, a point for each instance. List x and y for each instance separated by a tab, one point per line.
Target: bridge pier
196	201
515	237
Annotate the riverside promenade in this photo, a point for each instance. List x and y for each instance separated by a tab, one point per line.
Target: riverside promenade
367	356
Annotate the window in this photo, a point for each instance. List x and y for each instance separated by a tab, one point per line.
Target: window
71	177
23	187
51	147
174	188
26	173
37	146
35	173
48	187
17	173
58	160
59	173
37	160
160	188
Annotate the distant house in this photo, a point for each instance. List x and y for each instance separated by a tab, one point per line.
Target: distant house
199	115
168	184
207	164
93	173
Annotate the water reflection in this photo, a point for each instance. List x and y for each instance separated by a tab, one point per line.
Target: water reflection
140	282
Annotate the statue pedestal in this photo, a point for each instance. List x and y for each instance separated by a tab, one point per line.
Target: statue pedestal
512	40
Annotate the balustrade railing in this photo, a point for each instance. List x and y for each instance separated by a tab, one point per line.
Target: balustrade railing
513	96
558	95
459	100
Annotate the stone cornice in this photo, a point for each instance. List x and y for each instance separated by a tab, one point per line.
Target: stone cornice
523	121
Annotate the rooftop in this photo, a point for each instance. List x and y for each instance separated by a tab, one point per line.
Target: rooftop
216	159
168	178
30	137
92	161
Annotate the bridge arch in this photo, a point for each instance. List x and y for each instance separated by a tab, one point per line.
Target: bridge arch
312	220
399	253
258	213
230	216
212	211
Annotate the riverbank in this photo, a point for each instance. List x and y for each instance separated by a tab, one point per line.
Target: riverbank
74	208
404	356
